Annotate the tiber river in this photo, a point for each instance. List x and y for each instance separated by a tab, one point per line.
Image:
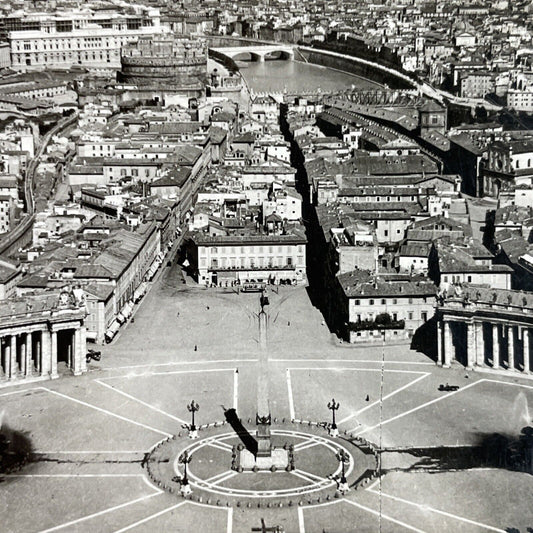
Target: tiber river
294	76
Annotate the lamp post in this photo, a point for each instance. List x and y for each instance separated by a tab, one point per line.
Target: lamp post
333	406
343	458
185	459
193	407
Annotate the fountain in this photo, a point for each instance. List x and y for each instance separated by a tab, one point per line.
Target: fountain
520	416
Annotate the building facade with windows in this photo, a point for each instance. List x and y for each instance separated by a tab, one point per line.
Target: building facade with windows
367	305
226	260
84	37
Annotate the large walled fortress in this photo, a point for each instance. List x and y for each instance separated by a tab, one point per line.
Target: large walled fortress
165	60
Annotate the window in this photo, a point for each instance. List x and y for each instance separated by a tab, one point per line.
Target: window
371	302
469	279
214	250
410	300
410	315
394	301
386	232
383	302
357	302
289	261
424	316
395	317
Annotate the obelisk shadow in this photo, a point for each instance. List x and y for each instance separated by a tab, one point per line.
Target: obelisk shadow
250	443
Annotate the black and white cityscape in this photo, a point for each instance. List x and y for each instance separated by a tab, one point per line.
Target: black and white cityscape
266	266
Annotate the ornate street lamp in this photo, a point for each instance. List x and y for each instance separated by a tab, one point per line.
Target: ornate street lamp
185	459
343	458
333	406
193	407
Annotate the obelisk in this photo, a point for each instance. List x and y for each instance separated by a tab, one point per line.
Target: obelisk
263	418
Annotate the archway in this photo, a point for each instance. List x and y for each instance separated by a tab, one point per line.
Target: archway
459	336
246	56
65	348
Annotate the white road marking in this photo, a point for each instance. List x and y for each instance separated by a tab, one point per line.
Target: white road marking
235	389
151	517
118	391
75	400
206	362
374	484
73	452
72	475
301	523
223	444
222	474
100	513
203	371
301	476
305	445
312	478
167	373
229	528
508	383
384	516
291	400
219	446
19	391
386	397
444	513
225	478
343	368
421	406
377	361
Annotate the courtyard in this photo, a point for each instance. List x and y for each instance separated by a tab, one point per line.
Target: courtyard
90	435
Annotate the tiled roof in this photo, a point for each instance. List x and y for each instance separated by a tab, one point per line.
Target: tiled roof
359	283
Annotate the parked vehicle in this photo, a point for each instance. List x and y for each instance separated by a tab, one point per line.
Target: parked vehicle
93	354
448	387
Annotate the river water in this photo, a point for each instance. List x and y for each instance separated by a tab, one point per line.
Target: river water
294	76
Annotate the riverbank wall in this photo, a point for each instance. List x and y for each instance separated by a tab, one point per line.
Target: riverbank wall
353	65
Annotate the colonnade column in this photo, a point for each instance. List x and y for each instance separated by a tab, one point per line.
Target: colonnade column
13	354
495	347
83	349
480	344
53	355
510	344
29	354
470	345
439	343
448	344
39	354
46	350
76	354
525	343
23	360
7	358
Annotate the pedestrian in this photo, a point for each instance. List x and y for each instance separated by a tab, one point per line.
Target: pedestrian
367	398
195	348
289	323
207	307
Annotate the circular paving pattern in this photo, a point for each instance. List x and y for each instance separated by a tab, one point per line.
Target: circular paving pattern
214	480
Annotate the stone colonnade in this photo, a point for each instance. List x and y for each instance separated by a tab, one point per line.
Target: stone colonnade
33	351
478	342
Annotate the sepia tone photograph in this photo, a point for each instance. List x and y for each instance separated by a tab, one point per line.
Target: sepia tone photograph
266	266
